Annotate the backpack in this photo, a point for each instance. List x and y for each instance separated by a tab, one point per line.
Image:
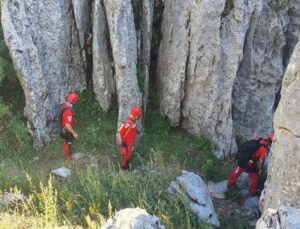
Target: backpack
245	153
53	120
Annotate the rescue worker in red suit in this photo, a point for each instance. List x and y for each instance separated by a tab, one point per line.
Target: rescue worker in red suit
68	133
128	134
257	159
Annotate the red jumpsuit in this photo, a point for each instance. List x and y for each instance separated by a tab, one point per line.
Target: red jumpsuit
128	133
68	117
260	154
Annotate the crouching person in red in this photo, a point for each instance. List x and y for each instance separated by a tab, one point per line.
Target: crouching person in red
68	122
253	154
128	134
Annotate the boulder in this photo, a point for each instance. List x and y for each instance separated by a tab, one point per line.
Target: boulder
192	186
44	45
62	172
282	186
282	218
133	218
217	190
11	198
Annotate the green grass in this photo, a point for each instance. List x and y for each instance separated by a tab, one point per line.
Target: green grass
96	191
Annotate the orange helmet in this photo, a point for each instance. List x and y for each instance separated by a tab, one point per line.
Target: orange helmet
73	98
271	137
136	112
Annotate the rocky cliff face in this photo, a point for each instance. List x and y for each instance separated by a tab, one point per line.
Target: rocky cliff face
283	183
201	49
219	68
44	44
259	77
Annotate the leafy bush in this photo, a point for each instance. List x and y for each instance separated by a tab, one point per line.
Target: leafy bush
280	5
4	110
19	129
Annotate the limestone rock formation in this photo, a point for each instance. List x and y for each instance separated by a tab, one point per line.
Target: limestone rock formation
293	28
193	187
103	75
199	56
146	39
283	218
82	12
283	182
122	33
133	218
259	76
44	45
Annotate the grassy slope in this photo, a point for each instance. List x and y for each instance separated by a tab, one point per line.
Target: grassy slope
97	187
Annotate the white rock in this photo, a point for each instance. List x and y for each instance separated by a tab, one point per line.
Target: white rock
283	218
133	218
10	198
218	190
195	189
63	172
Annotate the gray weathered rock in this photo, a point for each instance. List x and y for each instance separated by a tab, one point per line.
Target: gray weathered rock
283	218
195	189
103	77
82	11
133	218
146	39
259	76
199	56
217	190
44	45
122	32
62	172
293	28
11	198
252	202
283	182
172	58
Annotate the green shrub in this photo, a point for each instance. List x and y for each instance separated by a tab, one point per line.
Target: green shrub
19	130
280	5
4	110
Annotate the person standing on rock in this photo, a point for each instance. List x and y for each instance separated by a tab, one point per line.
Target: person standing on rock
68	122
253	161
128	133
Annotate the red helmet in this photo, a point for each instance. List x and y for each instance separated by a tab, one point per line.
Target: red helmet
73	98
136	111
271	137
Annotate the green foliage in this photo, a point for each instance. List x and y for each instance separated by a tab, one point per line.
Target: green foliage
233	194
137	12
141	78
4	110
279	5
19	130
92	194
